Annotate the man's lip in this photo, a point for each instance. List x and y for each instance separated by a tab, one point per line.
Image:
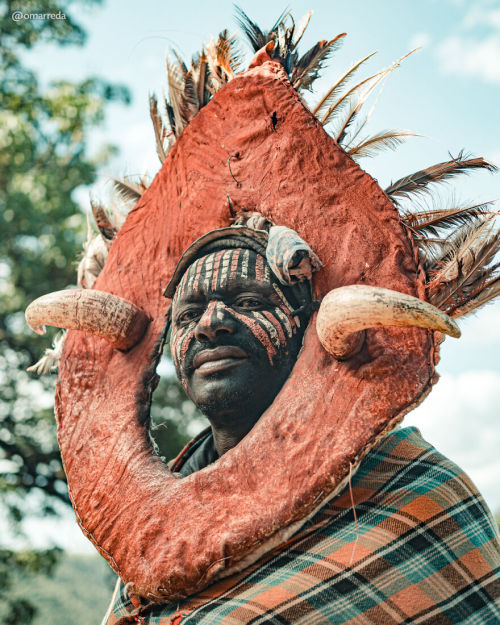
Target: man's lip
218	353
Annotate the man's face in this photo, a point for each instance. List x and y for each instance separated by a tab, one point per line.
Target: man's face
234	340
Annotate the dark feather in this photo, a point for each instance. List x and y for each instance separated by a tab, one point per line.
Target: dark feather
257	37
484	293
180	64
431	220
227	54
307	68
129	191
202	93
188	102
171	118
420	180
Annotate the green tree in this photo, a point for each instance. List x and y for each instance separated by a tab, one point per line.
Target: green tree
44	157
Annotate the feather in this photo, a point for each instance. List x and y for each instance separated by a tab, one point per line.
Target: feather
420	180
102	220
183	70
223	61
158	127
257	37
484	293
464	265
379	76
202	93
128	191
386	140
175	91
334	91
301	28
228	57
430	220
307	69
188	102
444	254
345	99
349	119
51	358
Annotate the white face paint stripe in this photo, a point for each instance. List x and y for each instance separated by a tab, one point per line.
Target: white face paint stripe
224	269
207	271
271	330
282	296
295	321
219	310
244	268
285	321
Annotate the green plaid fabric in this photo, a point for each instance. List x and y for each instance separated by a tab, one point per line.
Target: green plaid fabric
425	550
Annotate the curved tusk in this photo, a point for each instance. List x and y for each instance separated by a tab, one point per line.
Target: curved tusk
111	317
346	312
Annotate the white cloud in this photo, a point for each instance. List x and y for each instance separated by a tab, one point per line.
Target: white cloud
460	417
474	49
469	56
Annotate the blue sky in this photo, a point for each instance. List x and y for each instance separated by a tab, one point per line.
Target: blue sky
448	91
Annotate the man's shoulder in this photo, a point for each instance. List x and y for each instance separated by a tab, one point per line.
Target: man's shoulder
403	466
404	459
405	481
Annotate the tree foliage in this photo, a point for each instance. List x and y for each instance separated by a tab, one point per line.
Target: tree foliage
44	157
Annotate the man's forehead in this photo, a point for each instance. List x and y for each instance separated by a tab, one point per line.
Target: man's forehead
221	269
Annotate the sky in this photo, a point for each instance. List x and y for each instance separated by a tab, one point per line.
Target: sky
448	91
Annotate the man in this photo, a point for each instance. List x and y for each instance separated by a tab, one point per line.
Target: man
296	506
409	540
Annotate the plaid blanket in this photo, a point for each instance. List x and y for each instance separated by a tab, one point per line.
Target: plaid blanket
422	548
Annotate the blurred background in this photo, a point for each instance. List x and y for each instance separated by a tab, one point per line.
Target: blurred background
74	115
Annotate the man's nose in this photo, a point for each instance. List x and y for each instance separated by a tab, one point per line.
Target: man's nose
215	322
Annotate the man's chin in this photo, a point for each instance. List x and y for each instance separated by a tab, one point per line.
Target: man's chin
217	396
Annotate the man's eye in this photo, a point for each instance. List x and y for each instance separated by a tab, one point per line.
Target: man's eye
249	303
187	316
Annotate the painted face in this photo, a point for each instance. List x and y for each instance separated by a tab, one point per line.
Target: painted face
234	340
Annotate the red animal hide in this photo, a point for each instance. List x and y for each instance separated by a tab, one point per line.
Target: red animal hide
257	142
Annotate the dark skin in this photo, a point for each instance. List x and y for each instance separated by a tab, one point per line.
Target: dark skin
234	344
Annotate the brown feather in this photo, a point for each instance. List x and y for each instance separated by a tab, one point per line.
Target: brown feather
464	264
158	128
388	139
483	294
334	91
420	180
103	222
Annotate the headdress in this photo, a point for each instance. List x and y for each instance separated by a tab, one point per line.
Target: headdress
256	142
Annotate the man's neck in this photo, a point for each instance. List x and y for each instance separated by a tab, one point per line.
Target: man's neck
225	438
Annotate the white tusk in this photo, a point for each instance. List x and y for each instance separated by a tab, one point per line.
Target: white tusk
111	317
349	310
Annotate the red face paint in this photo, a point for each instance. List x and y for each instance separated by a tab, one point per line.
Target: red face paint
223	276
234	339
